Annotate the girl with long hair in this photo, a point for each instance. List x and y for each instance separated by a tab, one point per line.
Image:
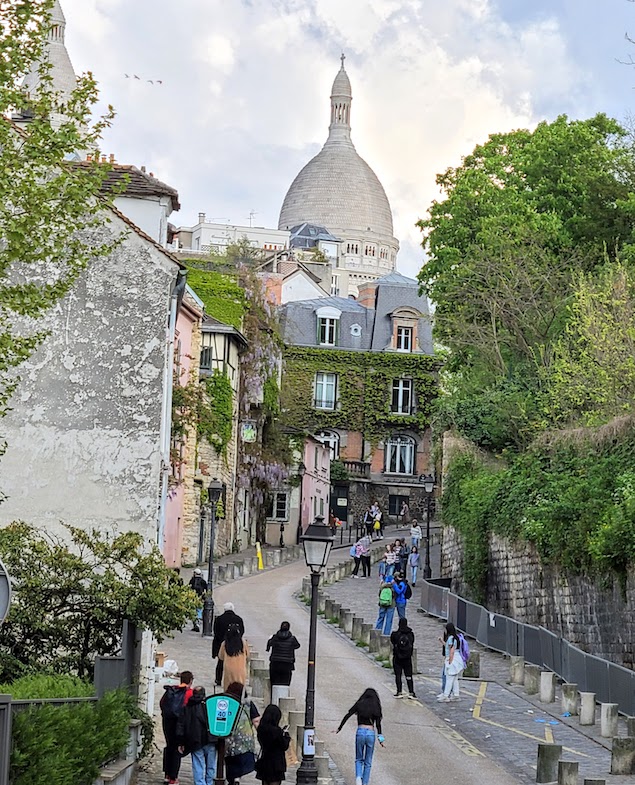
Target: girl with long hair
453	664
274	741
234	654
367	709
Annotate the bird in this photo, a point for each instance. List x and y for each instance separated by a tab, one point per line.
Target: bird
159	81
136	77
150	80
126	75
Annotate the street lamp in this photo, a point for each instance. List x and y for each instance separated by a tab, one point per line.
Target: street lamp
428	485
317	541
213	494
301	473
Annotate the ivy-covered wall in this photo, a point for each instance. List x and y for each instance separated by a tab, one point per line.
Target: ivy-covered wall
364	390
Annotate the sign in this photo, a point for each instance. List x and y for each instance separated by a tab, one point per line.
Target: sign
309	742
249	431
343	502
5	592
222	713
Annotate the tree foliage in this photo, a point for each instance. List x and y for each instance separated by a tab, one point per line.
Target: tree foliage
71	598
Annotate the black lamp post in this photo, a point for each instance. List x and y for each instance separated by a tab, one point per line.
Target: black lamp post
301	473
213	494
317	541
428	484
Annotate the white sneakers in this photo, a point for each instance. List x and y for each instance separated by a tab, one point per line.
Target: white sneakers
358	781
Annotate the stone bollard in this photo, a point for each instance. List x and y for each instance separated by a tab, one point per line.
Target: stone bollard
587	708
373	643
256	664
328	609
385	646
286	705
296	720
356	628
269	559
277	558
239	569
570	699
548	757
630	726
340	617
306	587
299	740
473	667
415	664
547	687
261	684
623	755
321	601
219	573
588	781
365	635
608	720
279	691
320	747
532	679
336	611
517	670
322	766
330	574
568	772
347	619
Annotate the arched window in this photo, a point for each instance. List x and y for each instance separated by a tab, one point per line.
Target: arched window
400	455
330	439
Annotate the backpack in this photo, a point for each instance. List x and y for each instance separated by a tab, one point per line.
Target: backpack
352	551
385	597
173	701
403	648
408	592
464	649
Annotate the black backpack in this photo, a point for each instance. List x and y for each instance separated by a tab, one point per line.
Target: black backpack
403	649
173	701
408	593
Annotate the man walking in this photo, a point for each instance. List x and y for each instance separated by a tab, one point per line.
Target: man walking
386	606
172	704
402	592
221	624
194	738
403	642
199	585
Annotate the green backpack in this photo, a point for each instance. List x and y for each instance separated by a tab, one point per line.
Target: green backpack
385	597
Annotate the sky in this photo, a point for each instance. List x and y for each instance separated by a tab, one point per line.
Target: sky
244	99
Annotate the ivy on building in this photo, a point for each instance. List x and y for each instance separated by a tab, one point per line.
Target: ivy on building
364	392
221	293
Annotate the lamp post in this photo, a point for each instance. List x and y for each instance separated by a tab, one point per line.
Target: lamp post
428	484
213	494
317	541
301	473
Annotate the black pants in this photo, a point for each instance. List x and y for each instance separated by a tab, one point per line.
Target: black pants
356	568
403	668
280	673
366	566
171	756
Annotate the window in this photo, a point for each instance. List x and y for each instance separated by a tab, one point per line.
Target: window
401	396
404	339
335	285
331	440
395	502
400	455
325	390
327	331
279	506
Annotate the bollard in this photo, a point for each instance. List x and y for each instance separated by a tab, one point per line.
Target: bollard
322	766
587	708
320	747
306	587
517	670
286	705
341	617
568	772
623	755
385	646
415	664
261	684
255	663
328	609
373	644
321	600
356	628
630	726
365	635
279	691
473	667
347	622
608	720
330	574
548	757
296	719
239	569
570	699
220	573
268	558
532	679
547	687
588	781
299	740
336	611
277	558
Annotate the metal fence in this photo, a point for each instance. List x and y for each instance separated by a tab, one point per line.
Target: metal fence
610	682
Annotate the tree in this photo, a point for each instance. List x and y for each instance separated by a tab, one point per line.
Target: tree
48	206
71	598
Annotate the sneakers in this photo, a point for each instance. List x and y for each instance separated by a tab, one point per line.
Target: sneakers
441	695
196	629
412	696
443	699
399	695
454	697
358	781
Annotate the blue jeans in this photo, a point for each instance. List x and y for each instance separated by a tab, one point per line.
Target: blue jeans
384	620
414	574
364	746
415	542
401	610
443	678
204	765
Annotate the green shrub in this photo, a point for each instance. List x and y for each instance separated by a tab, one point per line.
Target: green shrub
43	685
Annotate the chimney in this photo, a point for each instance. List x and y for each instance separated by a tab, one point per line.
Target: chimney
366	294
89	157
201	218
103	159
143	169
112	158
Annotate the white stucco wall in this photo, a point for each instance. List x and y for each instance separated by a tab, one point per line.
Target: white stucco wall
300	287
150	215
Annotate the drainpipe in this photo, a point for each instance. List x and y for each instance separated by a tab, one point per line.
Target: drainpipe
166	408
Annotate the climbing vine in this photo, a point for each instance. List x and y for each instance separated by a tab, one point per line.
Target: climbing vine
216	409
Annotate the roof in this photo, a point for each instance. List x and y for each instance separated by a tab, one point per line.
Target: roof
136	183
342	84
212	325
397	279
341	303
310	234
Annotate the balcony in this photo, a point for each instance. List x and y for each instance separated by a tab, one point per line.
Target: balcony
356	469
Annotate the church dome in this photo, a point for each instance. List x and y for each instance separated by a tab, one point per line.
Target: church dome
337	188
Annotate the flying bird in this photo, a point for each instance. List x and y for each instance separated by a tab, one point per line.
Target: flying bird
126	75
136	77
159	81
150	80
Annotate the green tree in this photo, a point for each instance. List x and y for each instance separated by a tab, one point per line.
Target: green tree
71	598
48	206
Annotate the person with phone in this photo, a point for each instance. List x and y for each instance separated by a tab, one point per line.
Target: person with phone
274	741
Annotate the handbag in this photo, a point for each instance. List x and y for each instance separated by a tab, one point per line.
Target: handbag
377	526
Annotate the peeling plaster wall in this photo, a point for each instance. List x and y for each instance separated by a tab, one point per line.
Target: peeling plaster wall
84	432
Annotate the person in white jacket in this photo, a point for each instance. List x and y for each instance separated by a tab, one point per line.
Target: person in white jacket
415	533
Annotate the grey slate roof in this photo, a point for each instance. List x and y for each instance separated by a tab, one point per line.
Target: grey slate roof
136	183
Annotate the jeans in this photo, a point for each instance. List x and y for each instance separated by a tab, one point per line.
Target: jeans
401	610
414	574
415	542
204	765
443	678
364	746
384	620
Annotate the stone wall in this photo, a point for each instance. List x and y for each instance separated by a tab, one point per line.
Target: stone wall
595	615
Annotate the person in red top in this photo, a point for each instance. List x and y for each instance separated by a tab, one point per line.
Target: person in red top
172	703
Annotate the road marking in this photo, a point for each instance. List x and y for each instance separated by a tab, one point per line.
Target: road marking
460	741
476	711
548	734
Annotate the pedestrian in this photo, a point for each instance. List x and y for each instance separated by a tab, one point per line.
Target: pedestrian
274	741
221	625
234	654
368	521
403	642
405	513
379	522
413	560
172	704
198	584
402	557
391	558
196	740
386	606
403	593
282	658
240	747
356	553
382	569
367	709
453	664
415	534
365	556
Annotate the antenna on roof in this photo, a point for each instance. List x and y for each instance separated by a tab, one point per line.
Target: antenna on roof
252	214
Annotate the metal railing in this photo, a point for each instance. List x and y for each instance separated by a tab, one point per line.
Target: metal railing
611	683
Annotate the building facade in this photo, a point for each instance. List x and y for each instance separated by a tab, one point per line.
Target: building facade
209	237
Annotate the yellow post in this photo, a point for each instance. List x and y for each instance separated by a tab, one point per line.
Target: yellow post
259	557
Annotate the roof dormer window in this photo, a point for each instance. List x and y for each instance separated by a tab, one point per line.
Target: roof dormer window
328	326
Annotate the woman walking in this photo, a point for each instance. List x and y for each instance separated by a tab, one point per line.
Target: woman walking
240	747
415	533
271	766
391	559
413	560
282	658
453	664
367	709
234	654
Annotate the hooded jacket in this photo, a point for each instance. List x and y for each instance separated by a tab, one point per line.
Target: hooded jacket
221	624
272	766
191	729
283	645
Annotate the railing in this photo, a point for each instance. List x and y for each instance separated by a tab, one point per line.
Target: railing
610	682
357	468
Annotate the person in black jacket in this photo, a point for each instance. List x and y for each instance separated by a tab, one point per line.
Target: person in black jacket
403	642
282	659
199	585
221	624
194	738
271	766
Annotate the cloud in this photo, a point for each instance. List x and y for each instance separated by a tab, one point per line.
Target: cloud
245	96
